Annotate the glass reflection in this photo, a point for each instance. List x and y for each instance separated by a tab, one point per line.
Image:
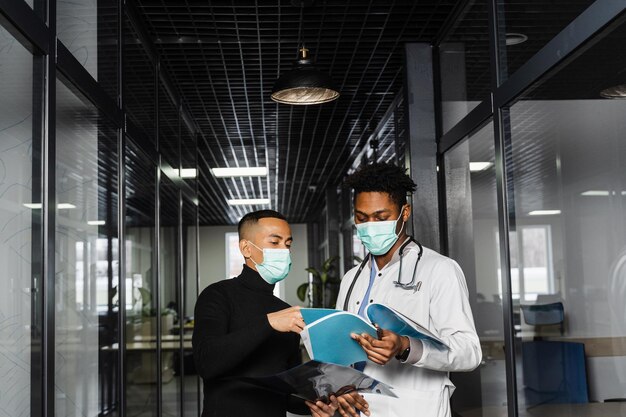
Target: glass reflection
140	281
169	143
473	241
464	65
88	28
139	85
566	152
191	394
170	293
20	219
188	155
87	308
527	27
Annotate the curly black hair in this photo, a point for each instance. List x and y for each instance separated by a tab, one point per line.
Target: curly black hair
384	178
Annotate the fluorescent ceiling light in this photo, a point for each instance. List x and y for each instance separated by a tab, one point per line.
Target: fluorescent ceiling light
249	201
479	166
596	193
96	222
600	193
515	38
188	173
544	212
240	172
59	206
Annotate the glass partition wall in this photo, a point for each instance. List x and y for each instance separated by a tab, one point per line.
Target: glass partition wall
472	225
170	290
533	184
566	152
463	66
99	277
191	287
529	91
87	262
20	222
141	285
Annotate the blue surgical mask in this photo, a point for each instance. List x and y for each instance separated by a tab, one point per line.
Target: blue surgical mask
276	264
379	237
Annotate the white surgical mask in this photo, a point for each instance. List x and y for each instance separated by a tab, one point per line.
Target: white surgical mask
276	264
379	237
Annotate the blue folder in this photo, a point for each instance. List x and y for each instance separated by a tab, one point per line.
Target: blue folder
327	334
329	340
387	318
314	314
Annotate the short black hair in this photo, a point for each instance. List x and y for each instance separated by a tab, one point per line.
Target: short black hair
382	178
255	216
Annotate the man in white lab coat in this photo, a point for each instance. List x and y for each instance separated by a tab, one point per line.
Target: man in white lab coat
416	281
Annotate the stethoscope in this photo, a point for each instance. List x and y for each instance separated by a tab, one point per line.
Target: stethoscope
405	286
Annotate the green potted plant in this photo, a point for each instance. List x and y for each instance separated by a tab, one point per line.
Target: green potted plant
323	289
149	314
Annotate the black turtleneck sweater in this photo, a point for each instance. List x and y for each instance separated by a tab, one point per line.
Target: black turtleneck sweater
233	338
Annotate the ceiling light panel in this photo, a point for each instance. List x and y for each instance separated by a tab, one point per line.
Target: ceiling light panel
188	173
479	166
249	201
544	212
240	172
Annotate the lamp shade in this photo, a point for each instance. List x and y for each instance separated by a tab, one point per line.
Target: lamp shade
616	91
304	85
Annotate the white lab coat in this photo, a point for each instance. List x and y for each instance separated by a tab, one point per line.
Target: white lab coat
441	305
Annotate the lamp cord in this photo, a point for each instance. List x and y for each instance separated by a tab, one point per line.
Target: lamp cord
300	44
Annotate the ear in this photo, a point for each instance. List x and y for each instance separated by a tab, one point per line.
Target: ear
244	248
406	213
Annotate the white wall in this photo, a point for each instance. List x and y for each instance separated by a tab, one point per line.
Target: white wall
212	261
300	261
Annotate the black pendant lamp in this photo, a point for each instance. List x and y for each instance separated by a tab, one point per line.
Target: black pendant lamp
304	85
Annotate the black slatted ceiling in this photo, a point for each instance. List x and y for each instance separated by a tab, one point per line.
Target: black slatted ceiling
224	57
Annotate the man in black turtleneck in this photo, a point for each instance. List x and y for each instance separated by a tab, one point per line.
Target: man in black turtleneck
242	330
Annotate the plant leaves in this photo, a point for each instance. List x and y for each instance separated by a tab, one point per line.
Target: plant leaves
146	296
302	290
328	263
333	280
314	271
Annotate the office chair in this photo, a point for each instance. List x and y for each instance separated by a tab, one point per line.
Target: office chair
544	314
554	372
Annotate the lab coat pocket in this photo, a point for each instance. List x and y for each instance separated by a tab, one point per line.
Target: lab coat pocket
408	404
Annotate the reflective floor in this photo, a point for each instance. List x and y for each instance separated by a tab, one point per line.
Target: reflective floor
144	392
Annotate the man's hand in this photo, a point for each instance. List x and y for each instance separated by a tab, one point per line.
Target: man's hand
321	409
383	350
287	320
351	402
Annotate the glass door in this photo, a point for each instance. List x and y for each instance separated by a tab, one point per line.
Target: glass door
140	285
